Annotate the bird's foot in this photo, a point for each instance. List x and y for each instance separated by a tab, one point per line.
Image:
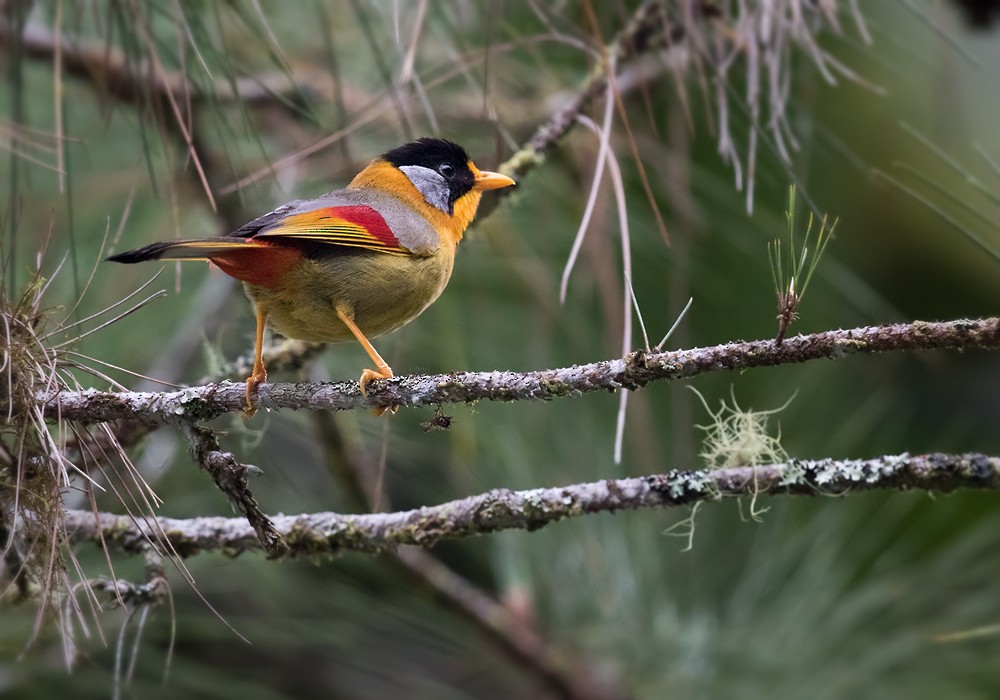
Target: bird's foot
370	374
253	382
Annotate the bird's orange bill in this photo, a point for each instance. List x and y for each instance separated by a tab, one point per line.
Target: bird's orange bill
486	180
355	226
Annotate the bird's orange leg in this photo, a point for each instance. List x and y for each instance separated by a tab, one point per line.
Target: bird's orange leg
384	371
259	371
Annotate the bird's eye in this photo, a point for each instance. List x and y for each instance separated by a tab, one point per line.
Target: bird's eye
447	170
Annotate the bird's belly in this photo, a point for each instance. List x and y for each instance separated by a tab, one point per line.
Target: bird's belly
381	292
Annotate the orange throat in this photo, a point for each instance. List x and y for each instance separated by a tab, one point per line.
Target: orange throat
385	177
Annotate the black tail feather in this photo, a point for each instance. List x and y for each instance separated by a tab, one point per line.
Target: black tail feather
153	251
195	248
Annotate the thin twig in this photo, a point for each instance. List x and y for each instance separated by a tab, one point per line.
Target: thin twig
231	476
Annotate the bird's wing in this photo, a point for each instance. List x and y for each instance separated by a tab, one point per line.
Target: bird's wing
252	228
350	225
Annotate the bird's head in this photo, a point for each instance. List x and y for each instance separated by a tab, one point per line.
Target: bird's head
437	178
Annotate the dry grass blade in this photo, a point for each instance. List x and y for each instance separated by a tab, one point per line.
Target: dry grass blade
179	114
623	230
85	366
50	462
604	134
753	44
63	328
32	146
30	486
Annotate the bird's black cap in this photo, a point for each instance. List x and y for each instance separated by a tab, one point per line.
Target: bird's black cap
429	153
444	157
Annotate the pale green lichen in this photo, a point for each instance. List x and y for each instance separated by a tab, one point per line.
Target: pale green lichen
793	474
888	466
521	162
685	528
738	438
825	472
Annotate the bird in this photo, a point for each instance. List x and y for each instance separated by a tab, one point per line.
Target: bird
354	263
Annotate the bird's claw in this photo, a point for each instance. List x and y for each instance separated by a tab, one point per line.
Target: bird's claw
253	382
368	375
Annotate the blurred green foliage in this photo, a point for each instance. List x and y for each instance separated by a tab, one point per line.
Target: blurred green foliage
825	598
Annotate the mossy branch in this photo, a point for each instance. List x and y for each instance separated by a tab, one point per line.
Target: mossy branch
631	372
320	534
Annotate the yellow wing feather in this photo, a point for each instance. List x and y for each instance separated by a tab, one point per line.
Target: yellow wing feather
351	226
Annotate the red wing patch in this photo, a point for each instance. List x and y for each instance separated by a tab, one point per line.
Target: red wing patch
264	265
356	226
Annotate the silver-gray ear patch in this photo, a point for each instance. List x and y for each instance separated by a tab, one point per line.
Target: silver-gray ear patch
432	186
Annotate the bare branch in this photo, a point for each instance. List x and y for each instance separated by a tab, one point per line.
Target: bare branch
111	70
332	533
153	591
631	372
572	679
647	29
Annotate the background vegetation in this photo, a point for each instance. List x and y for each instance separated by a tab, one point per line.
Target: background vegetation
875	595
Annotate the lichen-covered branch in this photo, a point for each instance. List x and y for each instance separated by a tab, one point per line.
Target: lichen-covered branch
632	372
502	509
517	635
